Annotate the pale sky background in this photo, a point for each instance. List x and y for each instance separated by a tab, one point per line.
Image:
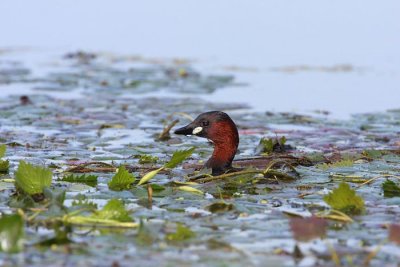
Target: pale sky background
259	34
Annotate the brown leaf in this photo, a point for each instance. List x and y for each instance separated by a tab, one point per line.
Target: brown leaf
306	229
394	233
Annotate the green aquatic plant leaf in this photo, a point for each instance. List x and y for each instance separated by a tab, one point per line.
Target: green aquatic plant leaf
32	179
390	189
372	153
90	180
182	233
338	164
143	159
114	210
3	149
178	157
4	166
345	199
11	233
220	207
122	180
269	145
81	201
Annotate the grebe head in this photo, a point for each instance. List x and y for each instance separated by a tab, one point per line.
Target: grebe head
218	127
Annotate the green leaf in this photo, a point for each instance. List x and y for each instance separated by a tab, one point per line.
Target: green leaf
3	149
32	179
390	189
282	140
338	164
149	175
182	233
178	157
373	154
114	210
81	201
11	233
90	180
4	166
345	199
143	159
122	180
220	207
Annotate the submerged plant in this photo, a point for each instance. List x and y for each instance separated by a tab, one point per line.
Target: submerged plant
345	199
182	233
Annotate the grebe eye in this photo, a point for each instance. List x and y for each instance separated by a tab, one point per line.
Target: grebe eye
205	123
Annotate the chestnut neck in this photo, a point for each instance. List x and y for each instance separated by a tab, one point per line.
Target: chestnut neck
226	140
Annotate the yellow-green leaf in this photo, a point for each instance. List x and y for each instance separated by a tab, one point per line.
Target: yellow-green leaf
190	189
32	179
3	149
149	175
11	233
114	210
345	199
182	233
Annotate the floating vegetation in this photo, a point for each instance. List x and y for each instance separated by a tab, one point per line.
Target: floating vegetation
90	180
176	158
345	199
269	145
100	178
32	179
122	180
390	189
338	164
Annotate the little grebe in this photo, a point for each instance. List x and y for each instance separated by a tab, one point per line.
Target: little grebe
218	127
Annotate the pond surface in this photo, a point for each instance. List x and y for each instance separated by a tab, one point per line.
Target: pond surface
84	107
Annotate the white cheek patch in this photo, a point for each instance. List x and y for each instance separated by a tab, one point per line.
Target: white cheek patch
197	130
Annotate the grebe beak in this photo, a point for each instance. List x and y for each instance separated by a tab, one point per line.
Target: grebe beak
189	129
